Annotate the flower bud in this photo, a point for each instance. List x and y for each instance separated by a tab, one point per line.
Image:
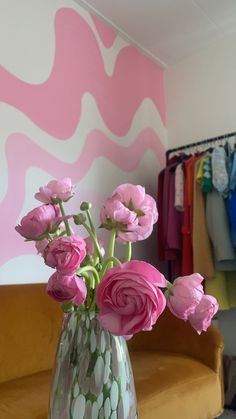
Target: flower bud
79	219
85	206
67	307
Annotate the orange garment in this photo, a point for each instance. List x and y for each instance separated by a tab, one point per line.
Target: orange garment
187	227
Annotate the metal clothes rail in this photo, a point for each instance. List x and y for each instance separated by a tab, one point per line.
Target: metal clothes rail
198	143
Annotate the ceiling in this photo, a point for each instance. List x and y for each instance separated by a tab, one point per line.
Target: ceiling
168	30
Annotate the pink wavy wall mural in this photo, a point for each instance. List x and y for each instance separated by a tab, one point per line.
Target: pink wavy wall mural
106	34
55	107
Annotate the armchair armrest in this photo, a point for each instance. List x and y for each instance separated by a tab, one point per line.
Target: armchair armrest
174	335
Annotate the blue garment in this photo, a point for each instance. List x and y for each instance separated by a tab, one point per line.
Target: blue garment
231	207
232	182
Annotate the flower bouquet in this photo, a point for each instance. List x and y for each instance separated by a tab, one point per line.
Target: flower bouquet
105	300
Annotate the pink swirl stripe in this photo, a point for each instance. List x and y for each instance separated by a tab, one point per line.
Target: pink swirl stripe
22	153
107	34
55	105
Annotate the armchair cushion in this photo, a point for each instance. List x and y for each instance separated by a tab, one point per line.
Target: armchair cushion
25	397
175	386
177	372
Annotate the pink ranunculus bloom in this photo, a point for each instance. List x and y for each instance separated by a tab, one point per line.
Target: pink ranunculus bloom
90	246
129	298
39	221
131	211
185	294
65	253
41	246
55	191
203	314
67	288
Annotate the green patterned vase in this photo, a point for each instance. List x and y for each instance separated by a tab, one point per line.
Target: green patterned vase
93	376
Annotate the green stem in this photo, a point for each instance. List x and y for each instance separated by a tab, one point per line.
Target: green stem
107	262
63	233
93	303
128	251
67	226
90	221
89	269
111	247
94	237
89	284
81	271
86	277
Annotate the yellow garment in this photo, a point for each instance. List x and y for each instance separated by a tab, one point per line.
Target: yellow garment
223	288
199	173
202	253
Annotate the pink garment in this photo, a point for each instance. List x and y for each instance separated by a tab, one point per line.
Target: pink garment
179	188
170	221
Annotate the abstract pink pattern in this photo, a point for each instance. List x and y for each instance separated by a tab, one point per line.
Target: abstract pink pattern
55	105
106	33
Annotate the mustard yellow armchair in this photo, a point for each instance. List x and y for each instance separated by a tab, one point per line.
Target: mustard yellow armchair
177	372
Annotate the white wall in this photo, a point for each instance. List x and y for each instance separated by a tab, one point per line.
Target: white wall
201	103
201	94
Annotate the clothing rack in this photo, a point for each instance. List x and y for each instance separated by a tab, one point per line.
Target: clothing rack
198	143
189	146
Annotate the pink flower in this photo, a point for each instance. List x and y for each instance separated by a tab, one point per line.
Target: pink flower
41	246
55	191
39	221
90	246
131	211
184	296
67	288
65	254
203	314
129	298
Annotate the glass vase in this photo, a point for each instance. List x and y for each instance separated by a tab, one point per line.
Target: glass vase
92	376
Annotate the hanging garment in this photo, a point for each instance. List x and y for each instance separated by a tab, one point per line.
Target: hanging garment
207	185
202	252
173	228
223	288
220	178
231	208
187	248
179	188
164	206
199	172
232	182
161	209
170	221
217	287
219	232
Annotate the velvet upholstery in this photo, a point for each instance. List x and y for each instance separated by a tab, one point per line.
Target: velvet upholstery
177	372
29	325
